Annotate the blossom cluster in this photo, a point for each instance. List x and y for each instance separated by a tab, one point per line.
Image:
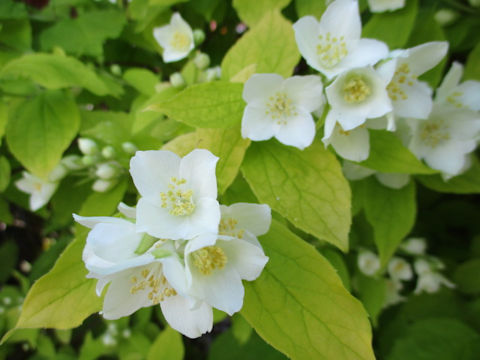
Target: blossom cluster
179	247
362	85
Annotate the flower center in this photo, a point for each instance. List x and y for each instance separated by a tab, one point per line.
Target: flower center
453	99
356	90
331	50
228	227
37	186
180	41
432	134
153	283
280	107
401	78
178	200
209	258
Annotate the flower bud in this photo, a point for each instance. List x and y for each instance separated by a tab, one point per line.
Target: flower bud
201	61
177	80
422	266
213	73
415	246
115	69
87	146
89	160
198	36
108	152
57	173
399	269
445	17
101	185
106	171
72	162
129	148
368	263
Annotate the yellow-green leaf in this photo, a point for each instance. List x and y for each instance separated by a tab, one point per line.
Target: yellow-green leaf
299	305
270	45
252	11
168	345
307	187
309	7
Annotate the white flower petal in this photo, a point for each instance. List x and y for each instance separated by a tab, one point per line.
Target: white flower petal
204	219
363	53
256	124
201	241
254	218
306	35
91	221
260	86
306	92
355	172
129	211
175	38
190	322
450	157
394	181
424	57
469	94
248	260
353	145
385	5
450	81
342	18
298	131
418	102
198	168
39	199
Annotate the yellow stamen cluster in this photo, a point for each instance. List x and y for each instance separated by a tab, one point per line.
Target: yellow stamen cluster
280	107
356	90
180	41
156	286
208	259
331	50
433	134
401	78
453	99
176	199
228	227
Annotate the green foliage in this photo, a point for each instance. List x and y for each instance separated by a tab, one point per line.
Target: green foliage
141	79
40	129
306	187
472	67
308	7
300	306
372	292
252	11
4	173
269	46
168	345
16	34
466	277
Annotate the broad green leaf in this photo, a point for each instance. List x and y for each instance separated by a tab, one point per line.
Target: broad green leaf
10	9
16	34
472	67
309	7
466	183
306	187
208	105
252	11
466	277
110	127
300	306
338	262
241	329
372	293
54	72
270	45
85	34
5	214
391	213
227	144
4	173
168	345
394	27
3	119
64	297
437	339
388	155
41	129
165	2
141	79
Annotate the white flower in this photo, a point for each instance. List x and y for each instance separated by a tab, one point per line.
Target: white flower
411	97
176	39
422	266
368	263
40	190
281	108
459	95
446	138
178	194
392	293
430	282
400	269
333	45
385	5
414	246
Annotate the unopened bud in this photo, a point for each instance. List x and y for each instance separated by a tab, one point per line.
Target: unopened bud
106	171
446	17
129	148
176	79
201	61
213	74
58	173
198	36
89	160
399	269
108	152
115	69
73	162
414	246
368	263
87	146
101	185
422	266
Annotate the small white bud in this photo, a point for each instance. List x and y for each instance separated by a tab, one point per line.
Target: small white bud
108	340
108	152
431	282
422	267
129	148
198	36
106	171
415	246
115	69
213	74
445	17
368	263
7	300
101	185
89	160
392	293
87	146
201	61
400	269
73	162
25	266
126	333
177	80
58	173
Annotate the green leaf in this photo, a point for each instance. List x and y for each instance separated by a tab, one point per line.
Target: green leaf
270	45
336	259
208	105
394	28
85	34
64	297
391	213
5	214
41	129
16	34
141	79
168	345
241	329
388	155
372	293
3	119
165	2
54	72
466	277
437	339
252	11
4	173
111	127
309	7
227	144
466	183
10	9
300	306
307	187
472	67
